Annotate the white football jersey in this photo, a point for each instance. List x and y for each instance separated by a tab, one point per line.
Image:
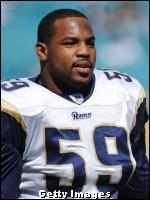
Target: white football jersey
81	147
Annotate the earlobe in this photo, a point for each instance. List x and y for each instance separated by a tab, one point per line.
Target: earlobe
41	51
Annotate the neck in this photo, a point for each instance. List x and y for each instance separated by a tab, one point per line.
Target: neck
61	89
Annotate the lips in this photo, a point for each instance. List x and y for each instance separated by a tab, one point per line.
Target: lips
83	67
83	64
84	70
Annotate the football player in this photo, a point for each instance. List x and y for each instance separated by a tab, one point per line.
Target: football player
72	127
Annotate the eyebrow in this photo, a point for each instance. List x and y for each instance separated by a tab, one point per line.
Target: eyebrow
75	38
91	38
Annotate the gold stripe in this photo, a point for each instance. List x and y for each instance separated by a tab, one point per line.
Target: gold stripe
141	96
147	138
13	111
139	101
147	131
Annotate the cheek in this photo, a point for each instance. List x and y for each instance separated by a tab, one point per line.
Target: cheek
66	58
93	56
61	61
94	53
64	55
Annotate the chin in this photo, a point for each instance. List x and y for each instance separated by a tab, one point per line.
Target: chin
82	82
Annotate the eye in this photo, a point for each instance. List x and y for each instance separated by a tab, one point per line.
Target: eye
91	43
69	43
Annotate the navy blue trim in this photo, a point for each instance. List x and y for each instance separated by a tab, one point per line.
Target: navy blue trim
65	96
11	169
35	79
90	92
138	187
12	147
12	132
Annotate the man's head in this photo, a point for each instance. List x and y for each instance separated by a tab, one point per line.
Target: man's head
46	28
66	49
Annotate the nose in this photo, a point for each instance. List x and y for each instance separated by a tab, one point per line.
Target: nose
83	51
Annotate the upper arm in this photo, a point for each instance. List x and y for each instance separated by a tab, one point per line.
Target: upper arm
12	147
138	186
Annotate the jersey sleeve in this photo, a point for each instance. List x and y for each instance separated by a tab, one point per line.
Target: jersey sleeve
138	186
12	147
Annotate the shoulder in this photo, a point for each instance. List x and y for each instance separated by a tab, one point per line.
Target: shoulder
119	84
13	86
21	92
18	95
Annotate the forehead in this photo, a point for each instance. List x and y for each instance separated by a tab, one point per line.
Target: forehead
73	26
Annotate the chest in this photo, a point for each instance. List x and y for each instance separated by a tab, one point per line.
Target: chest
90	144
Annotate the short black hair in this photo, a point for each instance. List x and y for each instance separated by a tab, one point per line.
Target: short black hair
46	26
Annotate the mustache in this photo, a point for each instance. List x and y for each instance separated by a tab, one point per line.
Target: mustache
86	62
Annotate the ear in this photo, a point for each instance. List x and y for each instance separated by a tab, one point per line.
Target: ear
41	51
